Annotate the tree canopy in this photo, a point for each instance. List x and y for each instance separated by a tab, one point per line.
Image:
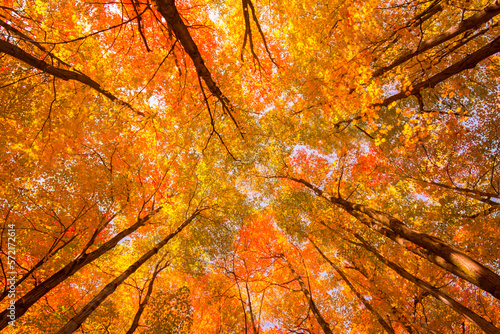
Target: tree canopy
220	166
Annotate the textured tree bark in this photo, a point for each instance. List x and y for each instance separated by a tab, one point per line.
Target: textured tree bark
379	318
20	54
87	310
30	298
470	23
422	252
433	249
485	325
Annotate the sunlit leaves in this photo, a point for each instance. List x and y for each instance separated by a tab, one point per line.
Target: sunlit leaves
307	99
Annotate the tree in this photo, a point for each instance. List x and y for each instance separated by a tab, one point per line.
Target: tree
249	167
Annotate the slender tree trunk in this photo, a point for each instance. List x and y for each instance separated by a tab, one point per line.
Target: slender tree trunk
250	308
478	195
169	11
466	63
398	314
30	298
379	318
472	193
87	310
249	299
435	250
144	302
472	22
417	250
60	73
312	305
240	295
51	253
485	325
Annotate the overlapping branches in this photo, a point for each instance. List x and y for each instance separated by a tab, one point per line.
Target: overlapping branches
61	73
168	10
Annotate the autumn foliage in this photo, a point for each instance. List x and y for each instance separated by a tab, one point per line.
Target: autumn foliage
251	167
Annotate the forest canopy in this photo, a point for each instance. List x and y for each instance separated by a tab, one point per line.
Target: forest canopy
219	166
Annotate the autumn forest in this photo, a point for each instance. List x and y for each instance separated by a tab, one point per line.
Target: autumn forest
250	166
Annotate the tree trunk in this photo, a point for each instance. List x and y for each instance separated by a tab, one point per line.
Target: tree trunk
87	310
379	318
319	318
144	302
468	62
30	298
60	73
472	22
435	250
485	325
169	11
